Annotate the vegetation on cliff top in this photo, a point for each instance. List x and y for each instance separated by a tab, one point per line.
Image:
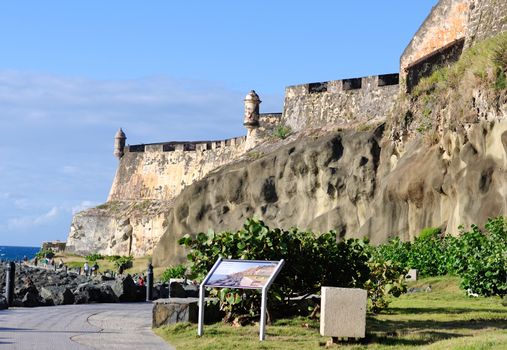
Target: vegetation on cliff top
455	95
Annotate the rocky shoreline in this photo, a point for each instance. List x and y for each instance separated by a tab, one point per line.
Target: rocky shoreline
37	286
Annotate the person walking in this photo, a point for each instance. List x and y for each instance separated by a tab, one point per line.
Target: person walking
86	268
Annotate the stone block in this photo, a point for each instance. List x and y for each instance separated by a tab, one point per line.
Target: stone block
411	275
174	310
343	312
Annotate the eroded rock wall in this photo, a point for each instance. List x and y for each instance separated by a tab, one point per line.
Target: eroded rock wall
315	182
461	181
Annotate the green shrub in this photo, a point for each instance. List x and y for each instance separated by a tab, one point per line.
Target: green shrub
94	257
429	233
177	271
386	278
123	262
45	253
483	259
428	257
311	261
480	259
396	251
282	132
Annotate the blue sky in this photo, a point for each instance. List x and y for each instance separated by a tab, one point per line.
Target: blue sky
73	72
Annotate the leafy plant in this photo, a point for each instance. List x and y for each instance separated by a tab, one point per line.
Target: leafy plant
479	258
386	278
429	233
177	271
483	259
333	263
121	262
282	132
45	253
94	257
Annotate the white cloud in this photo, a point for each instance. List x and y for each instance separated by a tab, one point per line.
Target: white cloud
25	222
57	138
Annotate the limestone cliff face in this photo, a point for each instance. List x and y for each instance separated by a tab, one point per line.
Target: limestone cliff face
354	183
316	182
461	181
118	228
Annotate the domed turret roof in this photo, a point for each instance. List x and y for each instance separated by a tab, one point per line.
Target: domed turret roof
252	96
120	134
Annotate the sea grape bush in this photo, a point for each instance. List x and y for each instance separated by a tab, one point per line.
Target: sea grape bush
177	271
311	261
479	258
483	261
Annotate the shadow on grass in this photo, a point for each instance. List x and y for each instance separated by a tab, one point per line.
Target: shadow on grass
437	310
425	339
423	332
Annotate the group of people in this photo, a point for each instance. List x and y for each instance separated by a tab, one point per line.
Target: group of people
46	262
89	271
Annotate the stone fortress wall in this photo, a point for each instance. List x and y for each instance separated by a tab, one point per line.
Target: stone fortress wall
451	27
159	171
347	102
486	18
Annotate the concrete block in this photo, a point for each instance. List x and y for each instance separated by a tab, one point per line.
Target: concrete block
411	275
343	312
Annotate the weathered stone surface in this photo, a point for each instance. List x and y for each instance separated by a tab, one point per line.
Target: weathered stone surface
322	183
31	298
92	293
174	310
433	35
3	303
338	105
486	18
57	295
125	288
343	312
460	181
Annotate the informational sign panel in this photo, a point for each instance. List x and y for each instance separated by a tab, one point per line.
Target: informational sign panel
245	274
242	274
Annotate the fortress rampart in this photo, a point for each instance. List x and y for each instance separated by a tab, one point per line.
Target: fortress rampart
346	102
159	171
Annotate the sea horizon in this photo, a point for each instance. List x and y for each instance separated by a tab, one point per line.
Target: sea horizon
14	253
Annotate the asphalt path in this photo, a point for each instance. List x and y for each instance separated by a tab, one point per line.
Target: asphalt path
80	327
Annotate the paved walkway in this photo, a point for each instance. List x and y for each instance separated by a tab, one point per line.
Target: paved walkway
79	327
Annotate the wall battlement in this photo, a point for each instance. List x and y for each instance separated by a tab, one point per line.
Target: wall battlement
268	121
185	146
345	102
362	83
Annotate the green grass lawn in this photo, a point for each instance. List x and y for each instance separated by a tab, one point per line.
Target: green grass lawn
139	265
444	318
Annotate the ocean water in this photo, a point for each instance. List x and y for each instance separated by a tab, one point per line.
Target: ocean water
8	253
